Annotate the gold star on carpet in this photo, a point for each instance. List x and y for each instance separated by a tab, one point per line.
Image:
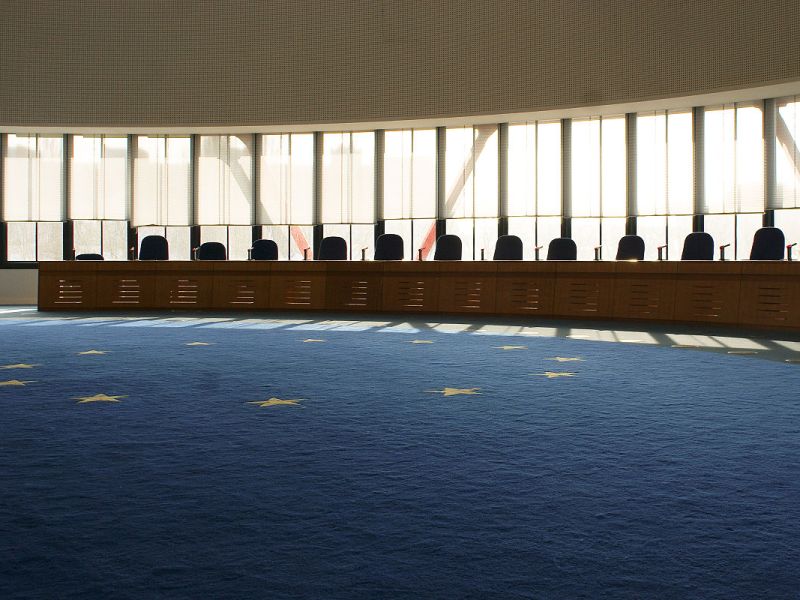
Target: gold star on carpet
510	347
14	382
456	391
198	344
555	374
88	352
310	340
19	366
565	358
420	342
277	402
98	398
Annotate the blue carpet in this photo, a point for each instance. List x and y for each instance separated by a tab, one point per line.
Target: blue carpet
452	469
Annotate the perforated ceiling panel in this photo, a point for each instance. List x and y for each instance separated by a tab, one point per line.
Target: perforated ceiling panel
257	62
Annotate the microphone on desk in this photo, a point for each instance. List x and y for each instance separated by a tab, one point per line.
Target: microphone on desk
660	251
789	251
722	251
536	251
598	252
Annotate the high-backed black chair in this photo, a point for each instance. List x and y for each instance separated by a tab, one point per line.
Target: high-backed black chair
768	244
264	250
154	247
212	251
389	246
698	245
508	247
89	256
630	247
562	249
332	248
448	247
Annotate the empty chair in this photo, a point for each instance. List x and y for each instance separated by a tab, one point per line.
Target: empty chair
508	247
768	244
698	246
448	247
264	250
630	247
89	256
389	246
154	247
212	251
333	248
562	249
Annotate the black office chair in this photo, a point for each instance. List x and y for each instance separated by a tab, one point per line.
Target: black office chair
332	248
154	247
448	247
508	247
212	251
768	244
562	249
264	250
698	246
630	247
389	246
89	256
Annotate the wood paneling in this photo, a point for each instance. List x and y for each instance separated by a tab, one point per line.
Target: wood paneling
752	294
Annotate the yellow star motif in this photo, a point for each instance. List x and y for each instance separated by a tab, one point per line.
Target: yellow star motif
420	342
198	344
277	402
88	352
456	391
555	374
310	340
14	382
19	366
510	347
98	398
565	358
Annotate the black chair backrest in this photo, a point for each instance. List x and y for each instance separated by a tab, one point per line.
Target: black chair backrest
698	246
448	247
562	249
508	247
332	248
154	247
89	256
264	250
768	244
630	247
389	246
212	251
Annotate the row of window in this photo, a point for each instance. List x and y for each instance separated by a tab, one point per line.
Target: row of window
531	174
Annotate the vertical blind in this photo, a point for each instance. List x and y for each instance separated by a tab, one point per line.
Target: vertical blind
348	177
162	192
33	178
225	180
409	184
99	177
787	138
471	172
286	187
599	167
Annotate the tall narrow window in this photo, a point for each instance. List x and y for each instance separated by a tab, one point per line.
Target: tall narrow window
162	180
286	192
471	179
734	175
409	186
225	180
787	151
33	191
665	180
348	188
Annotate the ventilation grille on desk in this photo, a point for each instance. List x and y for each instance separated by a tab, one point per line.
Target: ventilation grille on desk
241	293
127	292
70	291
186	291
706	300
297	292
468	294
644	300
583	296
526	296
772	304
359	294
411	294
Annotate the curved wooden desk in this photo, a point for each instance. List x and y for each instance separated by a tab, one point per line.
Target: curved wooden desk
752	294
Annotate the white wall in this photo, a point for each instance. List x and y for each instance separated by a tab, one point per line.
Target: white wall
18	286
